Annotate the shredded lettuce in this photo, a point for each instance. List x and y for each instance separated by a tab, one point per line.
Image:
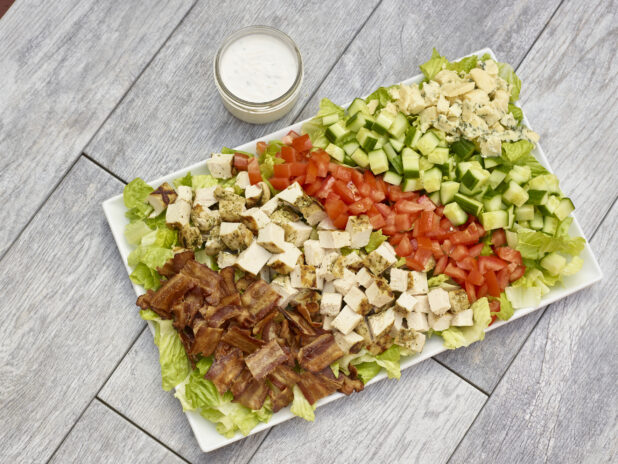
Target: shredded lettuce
134	232
456	337
438	280
134	197
517	113
524	297
512	151
314	127
464	65
196	182
382	95
534	244
435	64
506	308
268	159
231	151
328	107
368	365
367	371
506	72
301	407
375	240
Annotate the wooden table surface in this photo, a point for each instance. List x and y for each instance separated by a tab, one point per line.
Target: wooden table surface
95	93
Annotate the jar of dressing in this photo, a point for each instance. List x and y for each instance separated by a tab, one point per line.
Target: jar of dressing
258	72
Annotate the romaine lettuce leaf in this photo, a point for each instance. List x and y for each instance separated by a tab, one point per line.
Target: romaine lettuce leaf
506	308
524	297
382	95
197	181
435	64
268	159
134	232
517	113
464	65
375	240
148	278
506	72
438	280
367	371
328	107
301	407
455	337
513	151
231	151
533	244
134	197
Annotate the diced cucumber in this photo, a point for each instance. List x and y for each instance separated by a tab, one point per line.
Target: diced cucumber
432	179
550	225
335	152
536	222
501	188
366	139
494	203
413	135
524	213
511	239
537	197
511	217
439	155
424	164
392	178
360	158
336	132
547	182
369	120
330	119
412	185
397	145
400	125
378	161
491	162
455	214
496	177
349	161
410	162
565	208
393	158
519	174
469	205
350	148
465	190
494	220
435	197
448	190
427	143
553	263
462	168
356	122
515	194
474	178
358	106
463	148
384	120
549	206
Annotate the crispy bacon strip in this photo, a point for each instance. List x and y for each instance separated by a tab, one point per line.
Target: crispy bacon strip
315	386
258	328
225	369
185	310
266	359
320	353
260	299
284	376
242	339
205	339
350	385
174	265
227	281
243	283
253	395
241	382
299	322
208	280
217	316
281	399
163	299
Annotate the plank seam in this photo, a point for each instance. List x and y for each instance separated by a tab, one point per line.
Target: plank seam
95	162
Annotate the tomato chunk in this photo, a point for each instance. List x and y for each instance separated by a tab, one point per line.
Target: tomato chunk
302	143
509	254
490	263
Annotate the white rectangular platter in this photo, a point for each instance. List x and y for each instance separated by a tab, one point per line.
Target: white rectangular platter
205	433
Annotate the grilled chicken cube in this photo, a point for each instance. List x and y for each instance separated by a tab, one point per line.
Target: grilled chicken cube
417	282
205	219
253	259
349	342
253	195
438	301
332	266
305	276
364	277
327	322
163	196
357	301
411	339
231	205
334	238
292	193
405	303
422	304
345	284
363	330
190	237
205	197
326	224
220	165
283	286
310	209
235	235
360	230
314	253
225	259
459	300
380	259
297	232
381	323
379	293
439	323
463	318
417	321
177	214
328	287
347	320
330	304
284	262
353	261
399	280
254	219
185	193
242	180
270	206
214	244
272	237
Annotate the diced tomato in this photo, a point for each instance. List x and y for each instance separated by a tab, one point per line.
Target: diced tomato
453	271
404	248
493	286
503	278
312	188
498	237
344	173
402	222
341	189
510	255
459	252
253	168
425	222
241	161
369	179
326	187
408	206
260	148
341	221
440	265
280	183
377	221
302	143
517	273
447	247
360	206
395	239
412	263
335	208
470	291
475	250
468	264
299	179
365	191
481	291
446	225
289	154
293	134
389	229
490	263
312	173
381	185
383	209
282	170
428	205
475	277
436	249
424	243
377	195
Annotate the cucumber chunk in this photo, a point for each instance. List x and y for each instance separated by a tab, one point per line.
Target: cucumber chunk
565	207
336	132
392	178
378	161
384	121
366	139
447	191
469	205
432	179
439	155
524	213
427	143
360	157
463	148
515	194
410	163
335	152
393	158
350	148
494	220
400	125
553	263
413	135
455	214
412	185
358	106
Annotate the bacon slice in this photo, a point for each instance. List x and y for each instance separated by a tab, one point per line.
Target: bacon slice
284	376
225	369
266	359
205	339
320	353
163	299
208	280
253	395
241	382
185	310
260	299
315	387
242	339
350	385
281	399
227	281
174	265
299	322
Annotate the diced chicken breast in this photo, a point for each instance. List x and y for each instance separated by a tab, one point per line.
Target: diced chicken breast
417	282
310	209
417	321
326	224
345	284
357	301
334	238
253	195
459	300
363	330
406	302
381	323
253	259
297	232
353	261
205	197
314	253
328	287
177	214
330	304
254	219
359	228
272	237
348	342
346	320
438	301
235	236
379	293
283	286
422	304
439	323
380	259
399	280
411	339
463	318
185	193
327	322
242	180
304	276
332	266
291	193
220	165
364	277
161	197
225	259
285	262
205	219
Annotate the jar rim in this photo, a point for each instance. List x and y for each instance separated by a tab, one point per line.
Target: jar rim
256	106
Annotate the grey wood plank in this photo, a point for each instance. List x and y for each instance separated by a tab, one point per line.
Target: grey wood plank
135	391
68	316
102	436
65	65
562	99
416	419
557	402
174	116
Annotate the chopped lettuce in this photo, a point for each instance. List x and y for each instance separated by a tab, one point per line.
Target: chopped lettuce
197	181
134	232
455	337
375	240
268	159
506	308
367	371
172	355
534	244
231	151
314	127
512	151
517	113
506	72
301	407
464	65
524	297
369	365
134	197
382	95
438	280
328	107
435	64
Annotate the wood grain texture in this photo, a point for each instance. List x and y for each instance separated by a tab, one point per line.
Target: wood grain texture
560	392
65	65
174	117
68	316
574	110
416	419
135	391
102	436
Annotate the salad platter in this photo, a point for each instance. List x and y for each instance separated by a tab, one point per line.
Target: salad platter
555	263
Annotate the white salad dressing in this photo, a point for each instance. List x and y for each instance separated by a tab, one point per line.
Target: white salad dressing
258	67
